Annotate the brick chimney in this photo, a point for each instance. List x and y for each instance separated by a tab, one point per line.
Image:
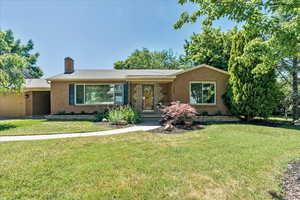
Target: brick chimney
69	65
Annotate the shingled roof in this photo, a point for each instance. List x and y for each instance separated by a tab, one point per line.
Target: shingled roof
104	74
36	83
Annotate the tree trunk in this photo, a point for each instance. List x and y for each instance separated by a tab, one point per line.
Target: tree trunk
295	89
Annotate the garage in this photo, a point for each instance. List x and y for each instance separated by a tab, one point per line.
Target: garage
34	101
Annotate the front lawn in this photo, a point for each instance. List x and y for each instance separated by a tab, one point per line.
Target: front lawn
42	126
225	161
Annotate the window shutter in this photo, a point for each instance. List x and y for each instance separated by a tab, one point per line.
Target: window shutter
71	94
125	87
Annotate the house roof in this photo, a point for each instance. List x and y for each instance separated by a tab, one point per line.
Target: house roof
110	74
202	66
36	83
105	74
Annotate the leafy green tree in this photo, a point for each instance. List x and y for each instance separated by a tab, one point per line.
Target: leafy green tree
211	47
9	45
16	63
145	59
11	72
252	83
277	20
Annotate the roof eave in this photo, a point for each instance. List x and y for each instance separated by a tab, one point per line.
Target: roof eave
86	79
147	77
203	65
117	79
37	89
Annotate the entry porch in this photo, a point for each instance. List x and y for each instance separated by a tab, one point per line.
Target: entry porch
147	97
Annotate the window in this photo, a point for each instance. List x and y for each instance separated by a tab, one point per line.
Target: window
203	93
99	94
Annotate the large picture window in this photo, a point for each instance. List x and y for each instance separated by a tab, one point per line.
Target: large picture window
99	94
203	93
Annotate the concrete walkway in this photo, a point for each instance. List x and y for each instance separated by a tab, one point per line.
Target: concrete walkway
141	127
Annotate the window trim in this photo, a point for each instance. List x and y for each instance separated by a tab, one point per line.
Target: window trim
204	104
75	94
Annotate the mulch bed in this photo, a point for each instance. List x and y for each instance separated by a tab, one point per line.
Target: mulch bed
271	123
291	182
176	130
112	126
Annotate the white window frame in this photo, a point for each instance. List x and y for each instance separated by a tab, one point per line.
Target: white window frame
83	104
203	82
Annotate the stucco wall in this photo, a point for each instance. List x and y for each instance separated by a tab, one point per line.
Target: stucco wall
180	88
60	98
12	105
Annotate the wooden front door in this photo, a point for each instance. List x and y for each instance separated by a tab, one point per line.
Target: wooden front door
148	98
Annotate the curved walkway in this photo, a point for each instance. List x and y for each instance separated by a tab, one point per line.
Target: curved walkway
142	127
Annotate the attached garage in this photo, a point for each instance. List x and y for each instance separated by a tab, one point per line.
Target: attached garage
35	100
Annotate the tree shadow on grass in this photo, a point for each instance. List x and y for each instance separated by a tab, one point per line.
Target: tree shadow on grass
260	122
4	127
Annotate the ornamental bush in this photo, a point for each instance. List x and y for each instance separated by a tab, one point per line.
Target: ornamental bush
178	114
123	113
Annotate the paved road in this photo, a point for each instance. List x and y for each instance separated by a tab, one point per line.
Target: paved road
142	127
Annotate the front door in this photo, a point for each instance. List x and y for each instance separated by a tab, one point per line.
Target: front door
148	98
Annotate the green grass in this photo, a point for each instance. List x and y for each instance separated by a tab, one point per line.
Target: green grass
42	126
226	161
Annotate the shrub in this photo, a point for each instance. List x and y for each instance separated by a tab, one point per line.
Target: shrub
178	113
204	113
219	113
123	113
114	116
61	112
100	115
130	115
82	112
95	112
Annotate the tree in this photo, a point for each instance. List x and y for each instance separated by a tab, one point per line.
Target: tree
16	63
289	64
252	83
211	47
11	72
263	17
145	59
11	46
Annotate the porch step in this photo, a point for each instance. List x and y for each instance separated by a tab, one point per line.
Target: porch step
150	115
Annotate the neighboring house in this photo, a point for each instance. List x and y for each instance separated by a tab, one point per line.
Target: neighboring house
94	90
34	100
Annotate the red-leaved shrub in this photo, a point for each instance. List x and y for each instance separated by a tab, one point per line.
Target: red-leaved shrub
178	113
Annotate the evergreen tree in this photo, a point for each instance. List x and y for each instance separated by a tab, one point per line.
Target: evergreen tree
252	85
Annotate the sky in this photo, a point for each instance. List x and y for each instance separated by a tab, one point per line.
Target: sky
96	33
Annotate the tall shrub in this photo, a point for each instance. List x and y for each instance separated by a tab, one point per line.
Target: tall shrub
252	85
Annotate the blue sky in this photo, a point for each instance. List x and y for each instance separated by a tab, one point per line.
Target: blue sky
96	33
